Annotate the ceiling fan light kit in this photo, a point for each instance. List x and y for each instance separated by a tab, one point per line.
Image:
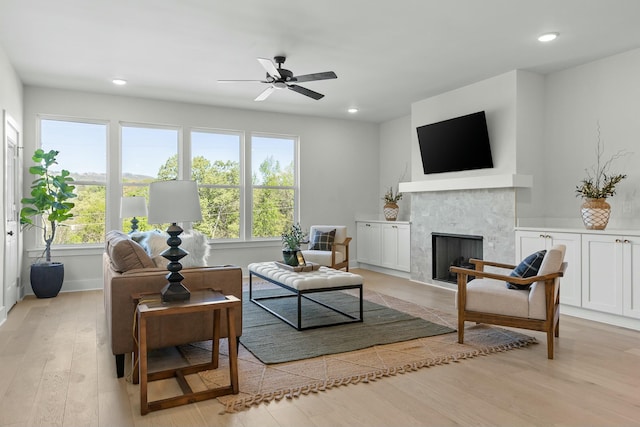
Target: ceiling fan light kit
281	78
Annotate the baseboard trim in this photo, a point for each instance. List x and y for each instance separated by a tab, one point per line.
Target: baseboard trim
74	286
383	270
597	316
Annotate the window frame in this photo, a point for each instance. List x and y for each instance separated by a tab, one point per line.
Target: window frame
242	236
38	137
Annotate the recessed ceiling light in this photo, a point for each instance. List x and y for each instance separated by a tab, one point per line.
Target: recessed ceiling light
119	82
352	110
547	37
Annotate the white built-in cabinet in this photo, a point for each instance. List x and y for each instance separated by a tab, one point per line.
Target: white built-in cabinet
368	242
602	281
528	242
396	246
611	266
384	243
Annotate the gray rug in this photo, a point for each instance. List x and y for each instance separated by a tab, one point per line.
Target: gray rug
273	341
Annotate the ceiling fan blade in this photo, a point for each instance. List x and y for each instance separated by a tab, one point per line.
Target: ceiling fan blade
269	66
265	94
305	91
242	81
315	76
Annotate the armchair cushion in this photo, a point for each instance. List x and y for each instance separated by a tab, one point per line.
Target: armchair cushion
322	257
527	268
552	262
322	241
490	296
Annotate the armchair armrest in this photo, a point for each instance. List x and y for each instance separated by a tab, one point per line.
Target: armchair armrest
465	272
480	263
345	243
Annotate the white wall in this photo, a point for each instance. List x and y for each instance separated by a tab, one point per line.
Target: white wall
605	91
497	97
530	202
338	163
11	104
395	163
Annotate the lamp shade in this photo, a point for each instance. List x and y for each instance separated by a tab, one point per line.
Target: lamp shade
133	206
173	201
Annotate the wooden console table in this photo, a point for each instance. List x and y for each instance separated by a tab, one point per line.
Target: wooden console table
151	305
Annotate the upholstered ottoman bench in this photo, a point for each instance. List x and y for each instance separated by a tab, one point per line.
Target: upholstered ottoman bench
301	285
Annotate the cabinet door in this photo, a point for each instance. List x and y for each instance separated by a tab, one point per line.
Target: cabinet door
631	265
571	283
396	246
602	273
528	242
368	245
389	246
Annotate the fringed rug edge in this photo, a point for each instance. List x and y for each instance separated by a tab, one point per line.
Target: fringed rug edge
243	403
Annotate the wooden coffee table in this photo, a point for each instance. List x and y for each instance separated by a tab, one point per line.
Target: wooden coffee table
151	305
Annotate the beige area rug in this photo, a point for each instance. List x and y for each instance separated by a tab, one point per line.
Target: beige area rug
260	383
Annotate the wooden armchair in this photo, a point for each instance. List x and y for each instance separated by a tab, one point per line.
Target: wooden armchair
328	246
487	299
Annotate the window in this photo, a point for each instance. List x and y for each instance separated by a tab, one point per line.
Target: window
148	154
248	188
82	147
274	184
215	165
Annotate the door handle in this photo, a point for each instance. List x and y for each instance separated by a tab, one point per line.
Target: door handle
10	233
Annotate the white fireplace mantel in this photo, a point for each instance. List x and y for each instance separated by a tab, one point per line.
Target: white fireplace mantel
468	183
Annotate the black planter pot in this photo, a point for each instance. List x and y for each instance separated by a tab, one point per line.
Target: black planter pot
46	279
290	257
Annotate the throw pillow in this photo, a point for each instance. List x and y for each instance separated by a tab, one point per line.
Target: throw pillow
124	253
193	242
322	241
527	268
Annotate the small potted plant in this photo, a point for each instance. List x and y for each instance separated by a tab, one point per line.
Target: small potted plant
291	240
596	187
391	208
50	195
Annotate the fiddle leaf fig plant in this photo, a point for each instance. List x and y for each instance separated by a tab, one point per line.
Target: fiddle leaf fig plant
50	195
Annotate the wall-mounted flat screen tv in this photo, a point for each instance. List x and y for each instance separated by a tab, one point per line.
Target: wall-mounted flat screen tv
457	144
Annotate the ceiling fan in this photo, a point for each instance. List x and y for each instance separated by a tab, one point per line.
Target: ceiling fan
280	78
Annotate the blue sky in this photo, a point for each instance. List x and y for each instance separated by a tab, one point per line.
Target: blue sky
83	149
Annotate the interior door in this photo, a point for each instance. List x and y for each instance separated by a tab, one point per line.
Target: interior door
11	200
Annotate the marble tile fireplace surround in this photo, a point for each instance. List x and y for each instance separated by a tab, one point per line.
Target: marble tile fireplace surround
490	213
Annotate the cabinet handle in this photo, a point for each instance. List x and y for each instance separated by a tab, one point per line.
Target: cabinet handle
627	241
542	236
368	225
618	241
394	226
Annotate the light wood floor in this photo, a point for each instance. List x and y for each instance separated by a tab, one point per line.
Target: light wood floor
56	369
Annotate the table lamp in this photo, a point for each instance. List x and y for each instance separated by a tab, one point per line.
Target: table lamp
133	207
173	202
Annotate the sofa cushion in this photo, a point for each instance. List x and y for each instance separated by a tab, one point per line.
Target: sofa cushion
322	241
193	242
527	268
124	253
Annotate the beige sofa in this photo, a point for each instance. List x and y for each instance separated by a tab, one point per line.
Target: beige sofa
128	269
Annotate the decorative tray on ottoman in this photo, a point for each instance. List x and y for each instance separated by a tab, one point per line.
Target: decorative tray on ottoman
310	266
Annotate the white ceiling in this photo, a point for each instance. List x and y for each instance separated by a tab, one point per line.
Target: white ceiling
387	54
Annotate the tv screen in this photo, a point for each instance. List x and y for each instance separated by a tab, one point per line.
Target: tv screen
457	144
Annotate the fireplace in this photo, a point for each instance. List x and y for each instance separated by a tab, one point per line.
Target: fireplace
453	250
